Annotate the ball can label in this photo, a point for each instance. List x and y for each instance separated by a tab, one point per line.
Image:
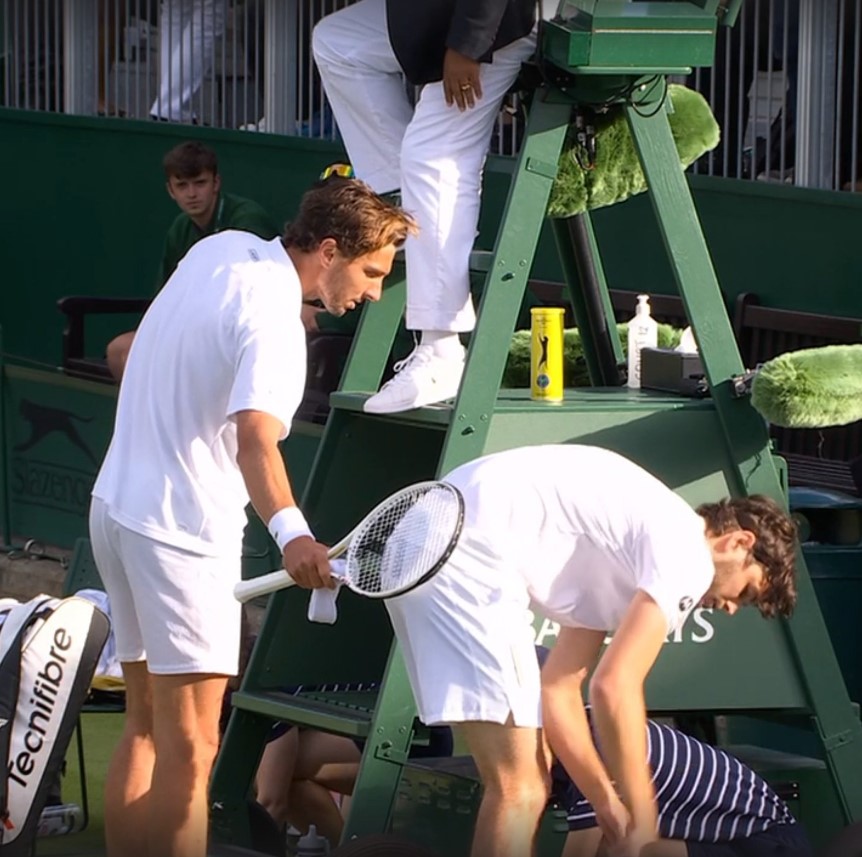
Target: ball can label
546	354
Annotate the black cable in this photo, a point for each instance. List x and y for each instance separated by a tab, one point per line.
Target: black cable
659	78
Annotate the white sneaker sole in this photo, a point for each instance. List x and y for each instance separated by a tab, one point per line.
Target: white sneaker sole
372	407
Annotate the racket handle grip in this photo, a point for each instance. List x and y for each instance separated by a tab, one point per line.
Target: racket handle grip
245	590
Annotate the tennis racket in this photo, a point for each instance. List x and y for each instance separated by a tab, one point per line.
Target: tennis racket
399	545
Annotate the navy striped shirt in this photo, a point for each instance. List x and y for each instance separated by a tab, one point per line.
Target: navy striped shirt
703	794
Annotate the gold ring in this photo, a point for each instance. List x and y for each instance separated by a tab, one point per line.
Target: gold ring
466	86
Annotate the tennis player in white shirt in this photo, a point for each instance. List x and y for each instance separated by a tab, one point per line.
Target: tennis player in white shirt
214	377
592	541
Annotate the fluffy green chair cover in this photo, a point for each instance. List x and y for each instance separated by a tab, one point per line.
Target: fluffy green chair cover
517	373
617	174
811	388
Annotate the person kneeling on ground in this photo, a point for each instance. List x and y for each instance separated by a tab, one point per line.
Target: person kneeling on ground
709	805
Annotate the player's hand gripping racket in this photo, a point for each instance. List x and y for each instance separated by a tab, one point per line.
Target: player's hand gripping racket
398	546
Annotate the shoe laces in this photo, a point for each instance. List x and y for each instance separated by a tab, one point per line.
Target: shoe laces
417	356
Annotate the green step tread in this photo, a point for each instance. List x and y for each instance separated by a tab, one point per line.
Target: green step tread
344	712
577	399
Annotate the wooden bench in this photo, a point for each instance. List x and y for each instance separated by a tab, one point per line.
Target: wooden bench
818	458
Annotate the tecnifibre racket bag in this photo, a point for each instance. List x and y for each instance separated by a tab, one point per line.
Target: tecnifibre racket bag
49	649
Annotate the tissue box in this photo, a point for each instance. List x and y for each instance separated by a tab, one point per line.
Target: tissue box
672	372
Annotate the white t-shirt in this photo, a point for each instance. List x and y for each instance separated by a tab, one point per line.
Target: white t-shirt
586	529
224	335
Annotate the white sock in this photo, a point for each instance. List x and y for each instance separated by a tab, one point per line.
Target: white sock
444	343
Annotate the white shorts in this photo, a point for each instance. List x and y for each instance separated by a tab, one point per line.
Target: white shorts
170	607
468	643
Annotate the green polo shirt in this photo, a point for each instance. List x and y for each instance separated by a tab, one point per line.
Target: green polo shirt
231	212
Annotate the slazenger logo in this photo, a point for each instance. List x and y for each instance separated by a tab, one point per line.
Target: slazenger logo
45	420
685	604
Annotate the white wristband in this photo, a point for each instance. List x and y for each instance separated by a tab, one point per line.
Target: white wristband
288	524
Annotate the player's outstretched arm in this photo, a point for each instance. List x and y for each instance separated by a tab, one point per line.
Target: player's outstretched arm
619	711
567	730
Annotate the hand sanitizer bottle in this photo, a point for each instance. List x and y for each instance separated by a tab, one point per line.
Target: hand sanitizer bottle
643	333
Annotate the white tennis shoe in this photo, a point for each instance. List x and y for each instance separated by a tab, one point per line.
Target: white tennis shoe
423	378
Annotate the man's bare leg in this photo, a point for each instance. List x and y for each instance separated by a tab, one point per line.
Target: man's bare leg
185	730
515	770
130	771
325	763
275	774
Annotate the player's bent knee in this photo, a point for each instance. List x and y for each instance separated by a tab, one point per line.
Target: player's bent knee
194	753
527	792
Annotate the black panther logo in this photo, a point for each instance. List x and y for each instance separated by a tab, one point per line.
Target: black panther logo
43	421
543	359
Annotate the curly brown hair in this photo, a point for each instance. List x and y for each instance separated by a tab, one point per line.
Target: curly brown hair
774	548
347	210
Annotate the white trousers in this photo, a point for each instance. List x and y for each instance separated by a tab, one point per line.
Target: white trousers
434	153
187	33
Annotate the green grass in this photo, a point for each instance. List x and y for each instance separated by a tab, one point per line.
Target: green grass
101	732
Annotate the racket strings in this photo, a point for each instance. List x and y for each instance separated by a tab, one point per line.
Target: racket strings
405	541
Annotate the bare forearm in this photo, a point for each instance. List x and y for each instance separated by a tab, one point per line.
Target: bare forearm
619	716
568	733
266	479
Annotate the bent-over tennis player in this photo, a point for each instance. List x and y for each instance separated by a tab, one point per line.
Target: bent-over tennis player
599	545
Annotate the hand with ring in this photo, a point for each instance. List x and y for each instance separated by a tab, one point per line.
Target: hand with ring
461	80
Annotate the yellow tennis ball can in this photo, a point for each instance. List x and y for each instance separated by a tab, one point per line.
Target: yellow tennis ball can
546	354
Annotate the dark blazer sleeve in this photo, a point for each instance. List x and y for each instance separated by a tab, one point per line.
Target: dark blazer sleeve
420	31
474	26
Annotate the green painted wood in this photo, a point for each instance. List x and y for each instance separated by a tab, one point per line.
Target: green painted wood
747	443
385	752
506	281
233	774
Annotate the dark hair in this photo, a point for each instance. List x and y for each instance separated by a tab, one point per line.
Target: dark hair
774	548
190	159
348	211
